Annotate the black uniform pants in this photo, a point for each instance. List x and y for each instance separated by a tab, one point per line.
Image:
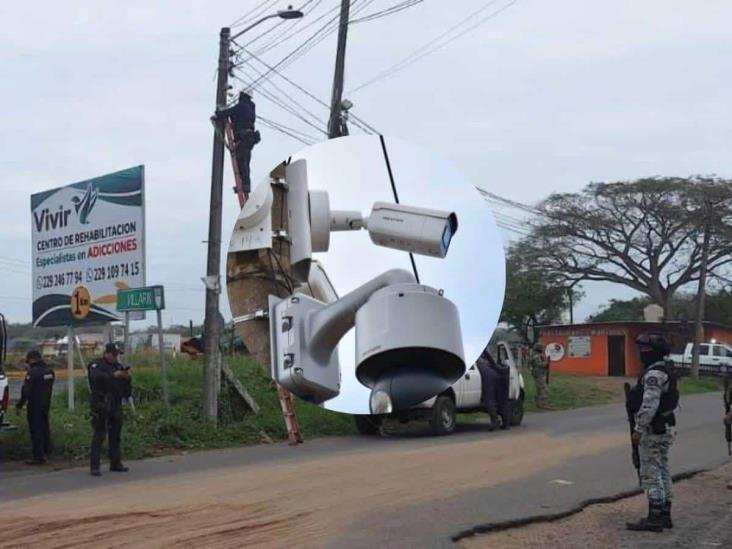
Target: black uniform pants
243	158
40	431
106	424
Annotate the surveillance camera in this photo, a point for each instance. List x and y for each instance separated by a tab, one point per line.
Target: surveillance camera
408	345
408	342
402	227
419	230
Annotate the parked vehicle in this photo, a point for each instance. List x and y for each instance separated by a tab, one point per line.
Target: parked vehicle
463	397
714	358
4	384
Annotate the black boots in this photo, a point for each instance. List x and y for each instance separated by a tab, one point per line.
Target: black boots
666	521
652	523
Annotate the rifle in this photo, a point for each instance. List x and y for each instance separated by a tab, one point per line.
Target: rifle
727	406
631	422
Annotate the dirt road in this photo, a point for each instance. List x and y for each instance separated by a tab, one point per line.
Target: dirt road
702	518
355	492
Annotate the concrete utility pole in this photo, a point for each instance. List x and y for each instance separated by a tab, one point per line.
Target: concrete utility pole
335	123
698	325
212	328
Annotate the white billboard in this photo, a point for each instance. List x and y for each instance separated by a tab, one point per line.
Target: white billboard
88	242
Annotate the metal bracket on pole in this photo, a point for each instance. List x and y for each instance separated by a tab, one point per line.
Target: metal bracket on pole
259	314
212	283
281	234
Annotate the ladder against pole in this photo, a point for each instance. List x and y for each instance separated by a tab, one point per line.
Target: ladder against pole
231	145
294	434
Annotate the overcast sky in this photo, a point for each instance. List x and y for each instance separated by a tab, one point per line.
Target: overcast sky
545	96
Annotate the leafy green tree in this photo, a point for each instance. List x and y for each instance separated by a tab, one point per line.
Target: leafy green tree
533	297
645	234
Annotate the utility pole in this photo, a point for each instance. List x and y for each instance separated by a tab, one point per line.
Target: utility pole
212	326
335	124
699	326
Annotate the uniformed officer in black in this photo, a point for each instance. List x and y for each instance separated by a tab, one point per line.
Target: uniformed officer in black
36	392
243	116
110	383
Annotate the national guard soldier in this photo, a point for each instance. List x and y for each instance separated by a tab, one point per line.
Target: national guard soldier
110	383
37	391
538	366
653	400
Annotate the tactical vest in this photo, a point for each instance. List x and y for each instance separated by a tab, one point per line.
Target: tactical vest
669	399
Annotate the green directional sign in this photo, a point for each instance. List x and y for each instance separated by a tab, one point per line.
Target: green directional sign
149	298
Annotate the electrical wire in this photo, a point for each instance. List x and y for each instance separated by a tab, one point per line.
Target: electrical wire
250	15
436	43
280	103
385	12
293	101
286	131
279	37
323	32
357	121
279	24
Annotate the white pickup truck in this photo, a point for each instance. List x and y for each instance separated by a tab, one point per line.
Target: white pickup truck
714	358
4	396
463	397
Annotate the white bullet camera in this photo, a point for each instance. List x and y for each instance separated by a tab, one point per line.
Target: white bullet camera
408	228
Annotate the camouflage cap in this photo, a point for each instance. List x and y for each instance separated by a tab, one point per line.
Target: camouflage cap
539	347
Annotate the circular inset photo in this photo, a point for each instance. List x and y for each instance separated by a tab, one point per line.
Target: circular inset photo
366	274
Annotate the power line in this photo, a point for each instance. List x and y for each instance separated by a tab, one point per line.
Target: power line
280	23
357	121
318	36
274	99
294	102
250	15
385	12
291	132
280	37
435	44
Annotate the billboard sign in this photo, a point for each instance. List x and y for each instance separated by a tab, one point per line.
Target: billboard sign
88	243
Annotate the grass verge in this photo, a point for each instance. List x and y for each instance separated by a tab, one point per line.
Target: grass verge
150	431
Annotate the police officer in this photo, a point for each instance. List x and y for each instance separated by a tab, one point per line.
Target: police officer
36	392
110	383
243	115
538	366
488	382
654	399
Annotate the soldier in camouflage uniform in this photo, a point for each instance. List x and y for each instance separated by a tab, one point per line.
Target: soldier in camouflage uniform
656	397
538	367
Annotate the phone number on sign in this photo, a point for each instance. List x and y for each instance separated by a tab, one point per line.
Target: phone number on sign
94	274
59	279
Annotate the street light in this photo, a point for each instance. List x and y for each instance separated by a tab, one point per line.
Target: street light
282	14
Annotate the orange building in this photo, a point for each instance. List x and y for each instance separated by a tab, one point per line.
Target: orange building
608	348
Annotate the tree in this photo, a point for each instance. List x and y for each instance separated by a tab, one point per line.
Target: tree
532	297
646	234
622	310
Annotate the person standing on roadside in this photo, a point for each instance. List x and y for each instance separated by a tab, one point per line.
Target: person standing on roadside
36	392
653	401
539	365
110	383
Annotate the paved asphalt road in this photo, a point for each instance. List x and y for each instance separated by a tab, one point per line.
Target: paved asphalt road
549	465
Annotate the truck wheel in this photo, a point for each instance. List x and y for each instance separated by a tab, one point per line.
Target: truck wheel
517	410
443	416
368	425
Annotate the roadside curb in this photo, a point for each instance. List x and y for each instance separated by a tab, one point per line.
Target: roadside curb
552	517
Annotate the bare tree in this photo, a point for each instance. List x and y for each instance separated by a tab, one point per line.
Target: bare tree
646	234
